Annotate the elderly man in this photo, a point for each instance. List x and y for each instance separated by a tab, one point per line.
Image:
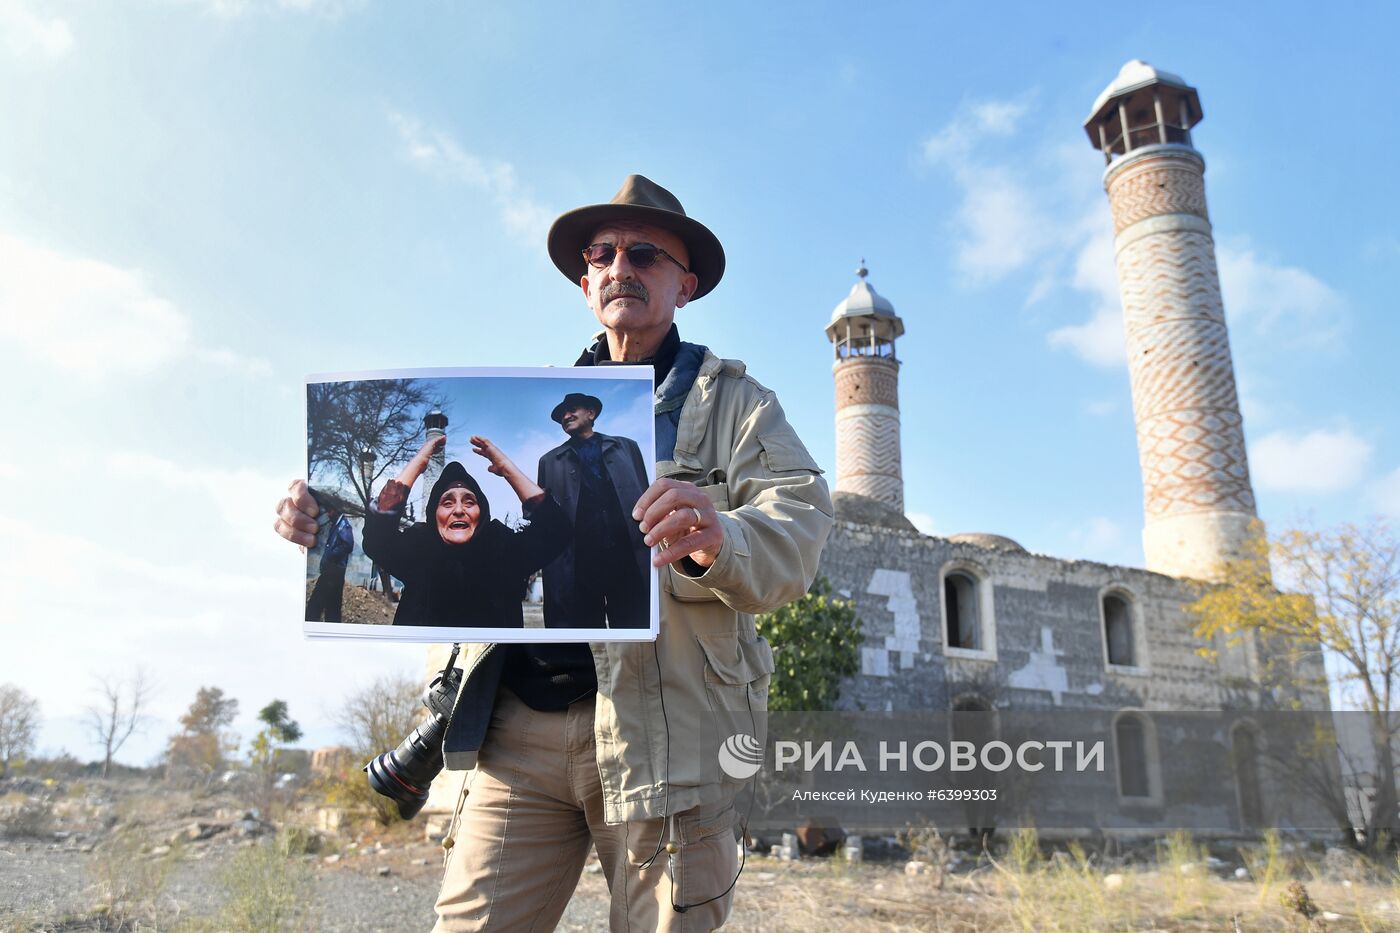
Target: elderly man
602	579
616	743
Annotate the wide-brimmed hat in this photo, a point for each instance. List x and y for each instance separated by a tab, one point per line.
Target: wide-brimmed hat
575	400
640	201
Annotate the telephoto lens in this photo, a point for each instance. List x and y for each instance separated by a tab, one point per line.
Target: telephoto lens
405	774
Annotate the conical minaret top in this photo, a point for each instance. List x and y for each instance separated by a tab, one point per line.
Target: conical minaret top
862	330
1156	107
1197	499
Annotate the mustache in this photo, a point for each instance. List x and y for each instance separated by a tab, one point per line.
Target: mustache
631	289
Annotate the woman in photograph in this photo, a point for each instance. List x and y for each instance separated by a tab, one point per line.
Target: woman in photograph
460	567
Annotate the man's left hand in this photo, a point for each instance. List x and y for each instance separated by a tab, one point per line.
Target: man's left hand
679	517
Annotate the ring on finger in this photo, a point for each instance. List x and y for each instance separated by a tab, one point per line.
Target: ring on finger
697	516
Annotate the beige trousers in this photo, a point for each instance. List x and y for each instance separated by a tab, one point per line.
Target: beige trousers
522	830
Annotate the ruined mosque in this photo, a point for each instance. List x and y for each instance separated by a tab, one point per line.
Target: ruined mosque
976	622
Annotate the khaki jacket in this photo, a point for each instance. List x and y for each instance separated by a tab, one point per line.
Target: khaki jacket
664	708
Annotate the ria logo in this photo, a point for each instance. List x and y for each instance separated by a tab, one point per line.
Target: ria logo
740	756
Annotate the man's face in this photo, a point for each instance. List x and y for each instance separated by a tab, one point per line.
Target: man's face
577	420
631	300
457	515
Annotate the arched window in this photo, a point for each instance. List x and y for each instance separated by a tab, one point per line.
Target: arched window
967	611
1135	749
962	619
1118	633
1244	759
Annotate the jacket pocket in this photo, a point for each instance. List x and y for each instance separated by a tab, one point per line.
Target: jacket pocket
737	672
784	453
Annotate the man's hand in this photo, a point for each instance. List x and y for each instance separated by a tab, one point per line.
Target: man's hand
296	515
681	518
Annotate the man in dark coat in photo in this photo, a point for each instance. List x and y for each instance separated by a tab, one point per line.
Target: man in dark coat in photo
602	579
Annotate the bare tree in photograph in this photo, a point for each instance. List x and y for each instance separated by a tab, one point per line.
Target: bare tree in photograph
117	714
19	725
357	432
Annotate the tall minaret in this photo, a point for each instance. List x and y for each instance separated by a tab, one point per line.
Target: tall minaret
1196	491
863	329
435	423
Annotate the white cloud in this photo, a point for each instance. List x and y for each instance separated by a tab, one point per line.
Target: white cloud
1002	226
435	151
1278	300
922	521
1102	407
232	9
1098	340
92	319
28	33
244	498
1385	493
1319	461
953	144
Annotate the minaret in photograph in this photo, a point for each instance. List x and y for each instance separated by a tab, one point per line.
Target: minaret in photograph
1196	492
435	425
862	331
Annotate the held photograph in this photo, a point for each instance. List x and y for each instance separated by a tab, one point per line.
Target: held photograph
480	505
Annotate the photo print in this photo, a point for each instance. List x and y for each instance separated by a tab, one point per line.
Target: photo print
480	505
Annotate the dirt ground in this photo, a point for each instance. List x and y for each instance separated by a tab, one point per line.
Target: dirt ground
139	854
361	606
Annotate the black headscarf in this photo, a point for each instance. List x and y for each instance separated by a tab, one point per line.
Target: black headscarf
454	474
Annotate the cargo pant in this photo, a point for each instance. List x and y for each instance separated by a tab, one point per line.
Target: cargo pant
527	816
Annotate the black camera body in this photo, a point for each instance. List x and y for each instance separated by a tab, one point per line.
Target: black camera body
405	774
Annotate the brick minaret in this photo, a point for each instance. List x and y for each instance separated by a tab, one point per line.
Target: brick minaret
1196	491
863	329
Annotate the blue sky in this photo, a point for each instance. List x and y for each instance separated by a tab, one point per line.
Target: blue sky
202	201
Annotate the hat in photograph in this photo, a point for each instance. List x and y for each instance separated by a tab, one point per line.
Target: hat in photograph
576	400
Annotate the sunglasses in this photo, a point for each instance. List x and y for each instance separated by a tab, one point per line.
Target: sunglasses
640	255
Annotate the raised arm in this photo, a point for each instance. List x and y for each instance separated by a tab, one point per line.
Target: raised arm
525	488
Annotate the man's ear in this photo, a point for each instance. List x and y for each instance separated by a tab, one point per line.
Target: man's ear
689	283
583	283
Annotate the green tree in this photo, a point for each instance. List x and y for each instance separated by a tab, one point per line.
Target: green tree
274	716
1337	591
264	756
816	644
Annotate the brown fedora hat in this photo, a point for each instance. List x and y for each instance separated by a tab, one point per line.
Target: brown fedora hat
640	201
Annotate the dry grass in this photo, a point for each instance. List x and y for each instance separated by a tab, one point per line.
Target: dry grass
1019	889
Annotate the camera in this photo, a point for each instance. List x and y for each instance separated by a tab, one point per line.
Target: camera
405	774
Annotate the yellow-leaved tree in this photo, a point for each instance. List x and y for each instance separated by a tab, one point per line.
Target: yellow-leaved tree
1337	589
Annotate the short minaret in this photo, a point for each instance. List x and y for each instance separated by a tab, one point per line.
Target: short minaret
863	329
1196	490
436	424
